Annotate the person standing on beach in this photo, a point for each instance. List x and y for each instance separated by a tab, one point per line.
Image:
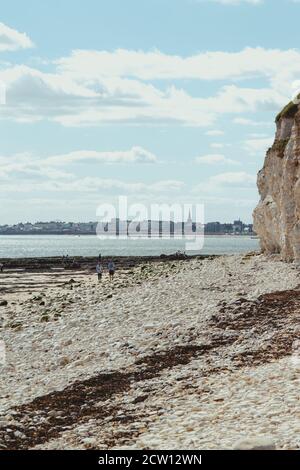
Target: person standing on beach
99	271
111	269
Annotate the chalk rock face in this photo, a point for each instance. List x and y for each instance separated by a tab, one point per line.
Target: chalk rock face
277	216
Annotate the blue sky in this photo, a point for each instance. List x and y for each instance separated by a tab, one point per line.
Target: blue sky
160	100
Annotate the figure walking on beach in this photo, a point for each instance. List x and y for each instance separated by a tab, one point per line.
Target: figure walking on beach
99	271
111	269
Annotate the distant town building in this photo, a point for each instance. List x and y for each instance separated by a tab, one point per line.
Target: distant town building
150	228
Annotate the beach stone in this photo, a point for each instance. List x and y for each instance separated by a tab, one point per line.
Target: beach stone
258	443
3	303
19	435
149	326
54	414
63	361
89	442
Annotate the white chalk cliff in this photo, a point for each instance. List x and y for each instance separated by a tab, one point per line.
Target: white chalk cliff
277	216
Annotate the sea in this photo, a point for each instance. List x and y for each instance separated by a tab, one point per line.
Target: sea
27	246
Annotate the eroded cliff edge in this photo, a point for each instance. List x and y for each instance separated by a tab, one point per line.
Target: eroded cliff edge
277	216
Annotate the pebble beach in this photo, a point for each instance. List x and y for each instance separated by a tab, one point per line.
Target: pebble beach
194	353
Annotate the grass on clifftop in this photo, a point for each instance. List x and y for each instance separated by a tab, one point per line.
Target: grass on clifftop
288	111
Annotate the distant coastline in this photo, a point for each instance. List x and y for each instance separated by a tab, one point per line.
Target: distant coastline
76	234
117	227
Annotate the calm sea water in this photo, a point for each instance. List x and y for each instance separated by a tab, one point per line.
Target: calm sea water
27	246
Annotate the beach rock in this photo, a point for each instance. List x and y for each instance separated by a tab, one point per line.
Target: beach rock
19	435
3	303
89	442
63	361
44	319
259	443
277	216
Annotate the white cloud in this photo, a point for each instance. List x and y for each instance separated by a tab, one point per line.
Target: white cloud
90	184
217	145
11	39
93	88
33	95
258	145
134	155
218	65
240	179
213	159
27	173
215	133
29	167
251	122
228	184
258	135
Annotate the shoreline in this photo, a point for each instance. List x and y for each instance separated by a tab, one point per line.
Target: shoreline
85	248
89	262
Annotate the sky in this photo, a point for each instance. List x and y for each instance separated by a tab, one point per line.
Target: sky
165	101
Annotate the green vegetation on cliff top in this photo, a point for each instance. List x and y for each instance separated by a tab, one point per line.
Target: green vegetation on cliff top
288	111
